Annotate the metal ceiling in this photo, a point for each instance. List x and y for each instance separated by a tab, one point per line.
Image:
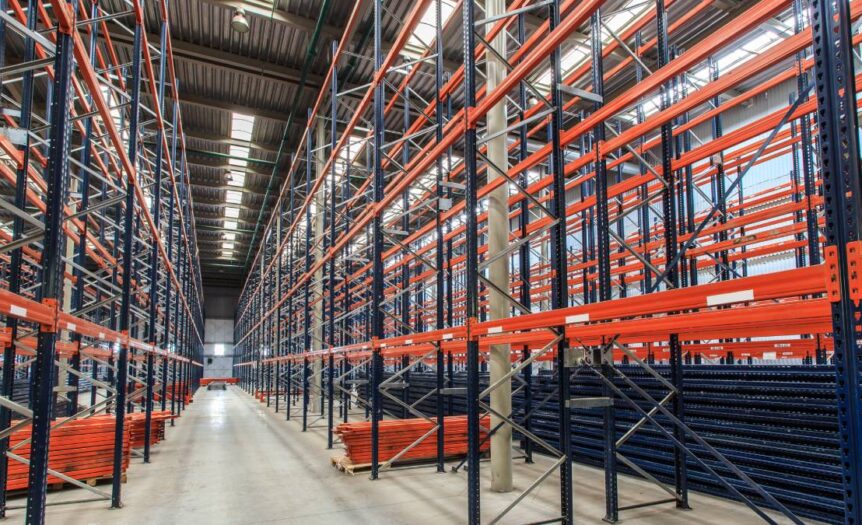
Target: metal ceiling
258	73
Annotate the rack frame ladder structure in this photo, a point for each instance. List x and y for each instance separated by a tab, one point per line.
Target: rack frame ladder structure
75	299
605	275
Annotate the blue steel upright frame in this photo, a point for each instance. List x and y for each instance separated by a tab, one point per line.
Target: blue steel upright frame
76	102
838	142
377	246
674	234
42	381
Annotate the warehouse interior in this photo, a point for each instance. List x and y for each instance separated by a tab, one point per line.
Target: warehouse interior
440	261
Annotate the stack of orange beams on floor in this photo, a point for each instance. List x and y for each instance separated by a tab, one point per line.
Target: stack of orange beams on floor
82	449
229	380
398	434
137	423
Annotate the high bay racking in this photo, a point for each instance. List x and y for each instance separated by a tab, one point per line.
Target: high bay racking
582	192
102	301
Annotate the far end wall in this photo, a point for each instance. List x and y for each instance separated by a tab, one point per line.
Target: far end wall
219	306
218	348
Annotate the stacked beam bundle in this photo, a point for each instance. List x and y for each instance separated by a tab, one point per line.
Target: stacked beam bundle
397	434
137	423
82	449
229	380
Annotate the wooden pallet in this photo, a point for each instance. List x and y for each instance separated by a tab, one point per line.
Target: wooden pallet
96	481
55	487
345	464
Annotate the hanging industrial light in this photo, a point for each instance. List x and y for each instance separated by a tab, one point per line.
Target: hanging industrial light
239	22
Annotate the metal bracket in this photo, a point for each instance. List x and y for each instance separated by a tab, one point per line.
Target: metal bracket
589	402
854	271
573	357
833	278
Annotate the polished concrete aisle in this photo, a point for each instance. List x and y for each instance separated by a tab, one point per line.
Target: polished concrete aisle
231	460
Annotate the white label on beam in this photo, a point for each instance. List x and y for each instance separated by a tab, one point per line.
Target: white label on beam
447	336
495	330
579	318
732	297
17	310
408	342
71	326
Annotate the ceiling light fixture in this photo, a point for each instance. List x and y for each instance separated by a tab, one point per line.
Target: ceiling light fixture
239	22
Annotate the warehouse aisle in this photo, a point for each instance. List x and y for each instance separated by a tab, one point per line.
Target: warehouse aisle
230	460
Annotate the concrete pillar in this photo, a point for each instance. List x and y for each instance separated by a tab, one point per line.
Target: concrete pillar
68	290
317	289
498	272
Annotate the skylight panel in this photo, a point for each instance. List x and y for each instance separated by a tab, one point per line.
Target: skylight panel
761	43
425	31
241	127
239	156
732	60
227	245
230	225
626	14
236	178
233	197
349	151
231	212
227	254
229	236
572	59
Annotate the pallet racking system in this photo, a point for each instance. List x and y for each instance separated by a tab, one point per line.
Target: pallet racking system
593	177
102	302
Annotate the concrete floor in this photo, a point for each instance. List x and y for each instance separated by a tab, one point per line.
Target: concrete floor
230	460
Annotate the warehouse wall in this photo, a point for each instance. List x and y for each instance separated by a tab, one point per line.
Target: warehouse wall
219	336
219	306
220	302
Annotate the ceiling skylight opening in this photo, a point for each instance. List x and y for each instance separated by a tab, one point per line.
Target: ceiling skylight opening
236	178
233	197
241	127
227	254
351	149
238	156
740	55
229	236
231	212
426	29
227	245
230	225
623	17
572	59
